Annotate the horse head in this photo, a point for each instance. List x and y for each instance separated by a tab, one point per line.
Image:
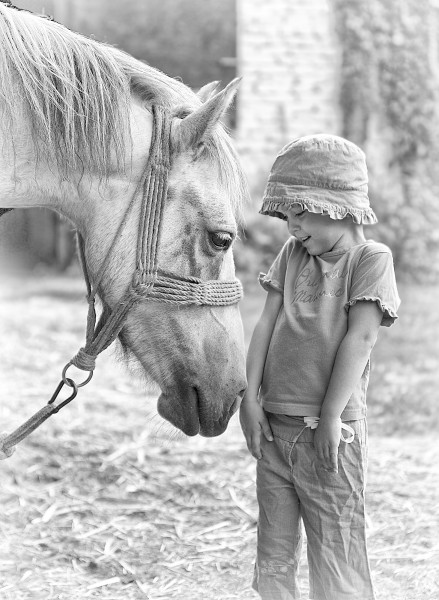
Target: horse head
195	353
81	127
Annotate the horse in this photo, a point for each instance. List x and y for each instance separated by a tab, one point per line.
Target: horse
85	130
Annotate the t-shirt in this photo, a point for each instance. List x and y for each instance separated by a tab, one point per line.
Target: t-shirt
317	293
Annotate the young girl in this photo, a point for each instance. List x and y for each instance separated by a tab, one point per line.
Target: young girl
303	415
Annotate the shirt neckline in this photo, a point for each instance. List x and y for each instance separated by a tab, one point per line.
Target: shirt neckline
343	250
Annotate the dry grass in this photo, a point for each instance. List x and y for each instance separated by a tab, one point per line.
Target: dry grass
124	517
104	501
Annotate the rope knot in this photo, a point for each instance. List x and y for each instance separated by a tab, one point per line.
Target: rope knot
84	361
143	279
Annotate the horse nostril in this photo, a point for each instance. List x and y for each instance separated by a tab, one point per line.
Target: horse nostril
242	392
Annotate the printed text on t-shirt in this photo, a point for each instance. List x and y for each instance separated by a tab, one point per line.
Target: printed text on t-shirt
311	286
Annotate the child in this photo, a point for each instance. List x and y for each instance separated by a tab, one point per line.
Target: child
303	415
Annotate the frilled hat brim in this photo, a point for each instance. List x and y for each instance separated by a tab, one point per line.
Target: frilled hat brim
337	204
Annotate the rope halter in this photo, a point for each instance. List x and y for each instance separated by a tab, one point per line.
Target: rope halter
148	281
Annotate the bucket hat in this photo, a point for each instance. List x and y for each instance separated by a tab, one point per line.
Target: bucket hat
323	173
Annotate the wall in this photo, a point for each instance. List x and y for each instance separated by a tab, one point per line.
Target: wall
289	60
287	54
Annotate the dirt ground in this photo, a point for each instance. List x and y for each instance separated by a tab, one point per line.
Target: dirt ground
107	501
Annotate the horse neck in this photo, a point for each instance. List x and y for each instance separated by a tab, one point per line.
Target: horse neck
107	212
28	180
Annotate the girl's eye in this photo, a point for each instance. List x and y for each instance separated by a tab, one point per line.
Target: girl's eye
299	214
220	240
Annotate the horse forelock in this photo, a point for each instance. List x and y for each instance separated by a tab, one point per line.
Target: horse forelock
220	150
76	95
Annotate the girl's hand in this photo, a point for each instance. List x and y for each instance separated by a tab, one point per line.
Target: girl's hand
254	423
326	442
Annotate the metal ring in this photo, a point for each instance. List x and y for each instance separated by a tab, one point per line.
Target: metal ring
67	380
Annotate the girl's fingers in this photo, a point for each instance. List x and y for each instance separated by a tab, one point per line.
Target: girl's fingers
333	460
253	437
320	452
256	445
328	456
250	443
266	430
330	459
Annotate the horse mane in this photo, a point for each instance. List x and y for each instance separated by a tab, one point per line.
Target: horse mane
76	93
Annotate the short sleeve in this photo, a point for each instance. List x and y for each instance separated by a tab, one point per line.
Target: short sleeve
374	279
275	278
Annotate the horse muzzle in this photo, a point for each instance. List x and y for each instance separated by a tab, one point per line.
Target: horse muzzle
194	413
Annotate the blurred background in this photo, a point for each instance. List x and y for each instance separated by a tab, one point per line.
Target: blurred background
368	71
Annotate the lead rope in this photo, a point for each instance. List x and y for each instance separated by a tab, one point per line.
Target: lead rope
147	282
99	336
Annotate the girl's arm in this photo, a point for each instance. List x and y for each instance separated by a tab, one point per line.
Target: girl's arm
364	321
252	415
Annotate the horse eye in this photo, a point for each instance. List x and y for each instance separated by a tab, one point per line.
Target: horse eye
220	240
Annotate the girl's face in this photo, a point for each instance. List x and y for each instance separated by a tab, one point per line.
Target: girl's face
319	233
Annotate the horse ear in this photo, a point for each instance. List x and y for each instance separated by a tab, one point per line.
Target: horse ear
205	92
190	131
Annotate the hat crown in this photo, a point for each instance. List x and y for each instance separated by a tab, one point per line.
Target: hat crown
324	161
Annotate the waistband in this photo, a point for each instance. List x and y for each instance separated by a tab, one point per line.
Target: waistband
313	422
289	427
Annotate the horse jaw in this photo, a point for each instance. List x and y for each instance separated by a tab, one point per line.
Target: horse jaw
188	352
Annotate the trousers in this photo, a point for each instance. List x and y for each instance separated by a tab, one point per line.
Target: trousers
294	488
